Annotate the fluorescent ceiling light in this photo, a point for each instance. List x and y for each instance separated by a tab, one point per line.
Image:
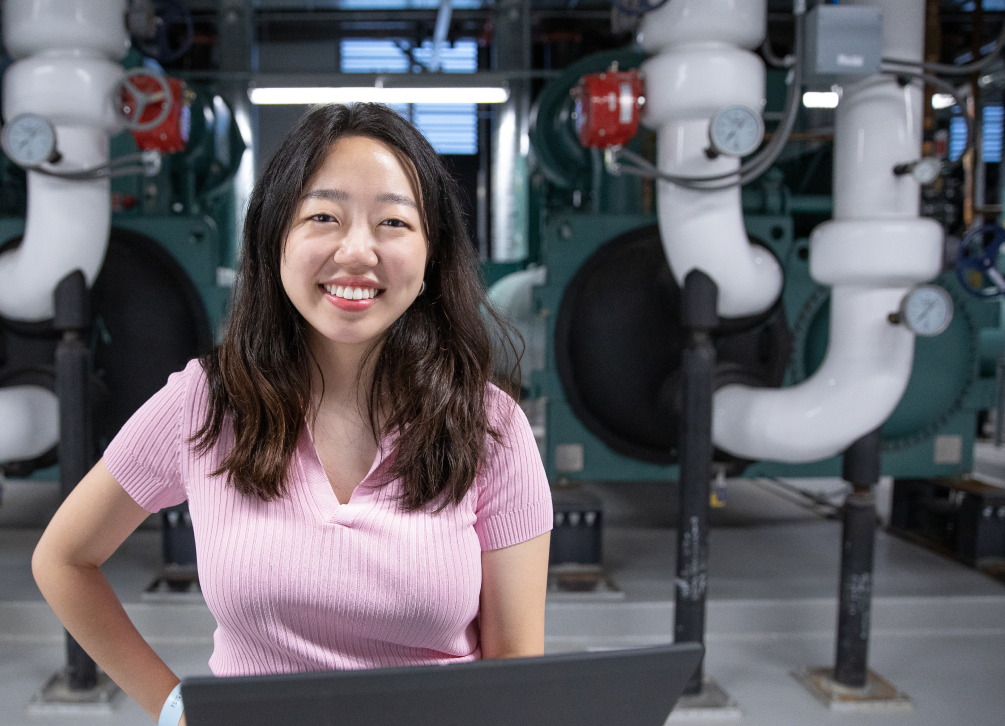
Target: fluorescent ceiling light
372	94
820	99
943	100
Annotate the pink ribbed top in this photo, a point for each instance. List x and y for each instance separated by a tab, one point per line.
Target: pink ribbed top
306	583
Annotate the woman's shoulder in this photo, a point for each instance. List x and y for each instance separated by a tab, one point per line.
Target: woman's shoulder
188	383
184	392
500	407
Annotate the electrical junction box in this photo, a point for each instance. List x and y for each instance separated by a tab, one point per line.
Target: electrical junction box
578	531
842	41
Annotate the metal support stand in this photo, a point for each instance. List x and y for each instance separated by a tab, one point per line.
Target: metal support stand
703	698
698	371
861	469
79	687
850	685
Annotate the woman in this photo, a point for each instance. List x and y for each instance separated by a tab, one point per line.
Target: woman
361	495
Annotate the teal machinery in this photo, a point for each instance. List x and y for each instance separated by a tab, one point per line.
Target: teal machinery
605	313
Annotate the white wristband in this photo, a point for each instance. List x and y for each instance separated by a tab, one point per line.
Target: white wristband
172	709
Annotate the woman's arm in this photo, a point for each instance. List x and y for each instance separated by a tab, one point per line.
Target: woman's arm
90	525
514	580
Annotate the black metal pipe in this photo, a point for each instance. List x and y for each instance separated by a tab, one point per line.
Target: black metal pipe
75	439
861	468
697	375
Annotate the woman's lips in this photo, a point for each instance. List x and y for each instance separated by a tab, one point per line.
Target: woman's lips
344	302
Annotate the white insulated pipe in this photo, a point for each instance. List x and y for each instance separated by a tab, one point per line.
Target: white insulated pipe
66	228
702	63
29	422
872	253
66	71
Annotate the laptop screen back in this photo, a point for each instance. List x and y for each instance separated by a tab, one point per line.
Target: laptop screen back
635	687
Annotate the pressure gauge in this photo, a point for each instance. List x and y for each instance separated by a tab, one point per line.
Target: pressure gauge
735	130
29	140
926	310
927	170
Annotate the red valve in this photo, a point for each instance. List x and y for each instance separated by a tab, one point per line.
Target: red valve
171	134
607	107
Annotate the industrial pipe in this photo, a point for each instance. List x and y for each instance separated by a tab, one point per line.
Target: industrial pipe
703	63
65	72
871	254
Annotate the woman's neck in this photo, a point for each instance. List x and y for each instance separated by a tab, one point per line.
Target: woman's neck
345	374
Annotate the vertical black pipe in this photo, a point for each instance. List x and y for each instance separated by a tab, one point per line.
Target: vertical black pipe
698	371
861	468
75	440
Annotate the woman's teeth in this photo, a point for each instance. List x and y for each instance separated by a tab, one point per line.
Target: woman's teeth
352	293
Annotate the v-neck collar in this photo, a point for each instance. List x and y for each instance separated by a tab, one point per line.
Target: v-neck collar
327	506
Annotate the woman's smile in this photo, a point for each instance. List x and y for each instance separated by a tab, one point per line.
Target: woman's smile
351	294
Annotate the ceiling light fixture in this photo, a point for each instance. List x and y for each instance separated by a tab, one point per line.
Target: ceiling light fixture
821	99
374	94
943	100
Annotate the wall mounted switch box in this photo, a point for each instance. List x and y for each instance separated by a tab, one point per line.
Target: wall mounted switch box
843	43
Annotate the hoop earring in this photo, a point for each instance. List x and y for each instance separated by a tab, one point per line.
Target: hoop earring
423	288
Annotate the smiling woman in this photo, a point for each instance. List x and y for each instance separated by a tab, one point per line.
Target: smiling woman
361	494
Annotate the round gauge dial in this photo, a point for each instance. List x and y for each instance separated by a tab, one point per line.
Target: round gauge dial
927	310
735	130
29	140
927	170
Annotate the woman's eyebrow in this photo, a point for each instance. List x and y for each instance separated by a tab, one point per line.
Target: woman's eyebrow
393	198
338	195
332	195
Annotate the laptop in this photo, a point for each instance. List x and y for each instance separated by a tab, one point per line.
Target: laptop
636	687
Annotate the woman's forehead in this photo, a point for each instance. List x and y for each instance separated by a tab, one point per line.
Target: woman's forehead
349	156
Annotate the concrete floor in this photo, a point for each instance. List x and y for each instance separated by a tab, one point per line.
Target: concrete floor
938	630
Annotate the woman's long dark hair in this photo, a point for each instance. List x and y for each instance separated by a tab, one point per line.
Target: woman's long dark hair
433	364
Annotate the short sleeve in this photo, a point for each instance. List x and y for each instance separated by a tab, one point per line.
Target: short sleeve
514	499
145	456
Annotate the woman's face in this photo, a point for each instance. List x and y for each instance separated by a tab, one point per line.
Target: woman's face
355	254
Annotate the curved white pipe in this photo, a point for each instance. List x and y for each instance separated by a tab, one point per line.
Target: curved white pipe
513	297
871	265
68	221
871	254
65	72
701	66
29	422
854	390
66	229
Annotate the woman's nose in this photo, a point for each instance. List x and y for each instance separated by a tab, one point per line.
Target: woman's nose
357	248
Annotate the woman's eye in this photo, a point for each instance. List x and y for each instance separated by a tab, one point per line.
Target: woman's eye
322	217
395	223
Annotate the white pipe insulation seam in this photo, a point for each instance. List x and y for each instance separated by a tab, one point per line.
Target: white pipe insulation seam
702	65
874	250
65	71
